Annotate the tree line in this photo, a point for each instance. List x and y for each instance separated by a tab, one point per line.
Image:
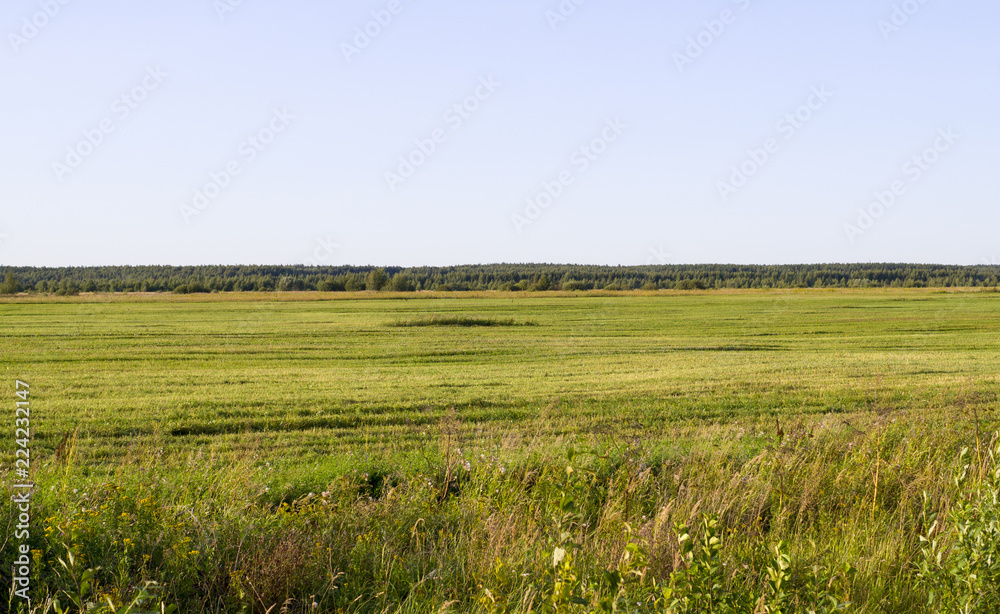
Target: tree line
498	277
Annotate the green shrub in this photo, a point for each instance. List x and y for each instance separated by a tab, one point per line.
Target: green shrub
401	282
701	585
574	285
960	557
541	284
191	288
10	284
690	284
354	283
376	280
331	284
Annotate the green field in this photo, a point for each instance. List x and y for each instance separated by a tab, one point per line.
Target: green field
312	379
292	393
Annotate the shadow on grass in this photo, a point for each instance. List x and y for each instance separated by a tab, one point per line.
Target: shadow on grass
467	321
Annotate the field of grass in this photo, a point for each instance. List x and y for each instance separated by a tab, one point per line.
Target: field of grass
385	453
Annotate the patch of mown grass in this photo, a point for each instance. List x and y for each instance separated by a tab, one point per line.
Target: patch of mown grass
467	321
219	370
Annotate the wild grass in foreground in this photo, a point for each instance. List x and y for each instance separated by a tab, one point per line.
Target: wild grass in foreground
830	518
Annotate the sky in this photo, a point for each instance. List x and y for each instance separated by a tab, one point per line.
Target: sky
420	132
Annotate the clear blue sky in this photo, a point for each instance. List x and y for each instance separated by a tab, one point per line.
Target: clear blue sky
116	113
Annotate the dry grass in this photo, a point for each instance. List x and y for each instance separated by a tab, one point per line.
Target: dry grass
494	530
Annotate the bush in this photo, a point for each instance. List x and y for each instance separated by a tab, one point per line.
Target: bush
331	284
574	285
290	284
354	283
960	557
191	288
690	284
699	583
68	287
377	280
402	282
10	285
542	284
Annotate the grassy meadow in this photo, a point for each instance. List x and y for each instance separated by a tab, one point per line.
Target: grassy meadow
508	452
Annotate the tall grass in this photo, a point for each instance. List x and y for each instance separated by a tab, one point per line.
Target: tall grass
829	514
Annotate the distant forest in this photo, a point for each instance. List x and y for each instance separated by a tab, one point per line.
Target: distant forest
501	277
